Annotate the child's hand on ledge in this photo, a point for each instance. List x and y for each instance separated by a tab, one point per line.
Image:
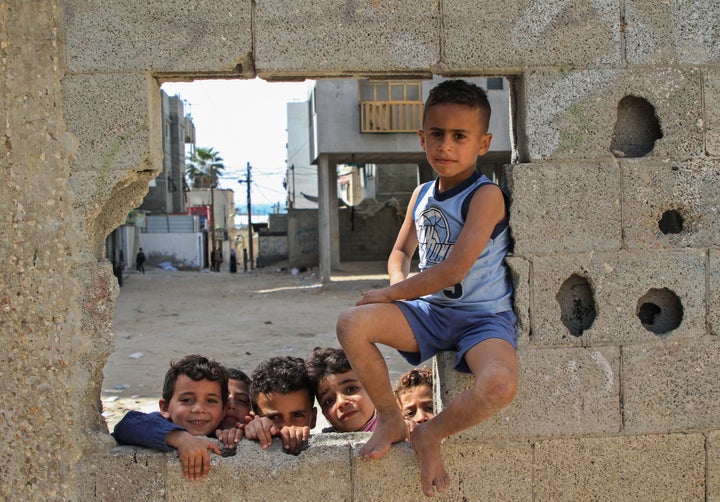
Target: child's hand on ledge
294	438
193	453
231	437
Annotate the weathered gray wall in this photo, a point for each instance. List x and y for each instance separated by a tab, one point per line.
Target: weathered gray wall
616	412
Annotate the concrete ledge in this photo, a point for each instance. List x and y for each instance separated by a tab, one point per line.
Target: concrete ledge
712	447
671	386
648	468
663	467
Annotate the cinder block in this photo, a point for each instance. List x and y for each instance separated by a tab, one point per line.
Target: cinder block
520	272
254	474
713	307
671	386
628	297
530	34
672	33
646	468
712	112
713	466
573	115
552	211
560	392
337	37
671	204
116	120
506	473
214	37
122	474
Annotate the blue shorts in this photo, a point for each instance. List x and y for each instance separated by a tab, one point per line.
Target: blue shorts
443	328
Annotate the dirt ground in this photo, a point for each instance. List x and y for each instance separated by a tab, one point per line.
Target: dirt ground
239	319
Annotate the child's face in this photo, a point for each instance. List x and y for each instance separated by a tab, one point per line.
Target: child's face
195	405
416	404
294	408
344	402
238	405
453	137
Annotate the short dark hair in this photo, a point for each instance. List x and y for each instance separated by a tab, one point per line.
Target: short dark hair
413	378
240	375
282	374
196	368
460	92
325	361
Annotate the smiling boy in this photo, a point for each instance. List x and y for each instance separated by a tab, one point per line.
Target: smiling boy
192	406
460	300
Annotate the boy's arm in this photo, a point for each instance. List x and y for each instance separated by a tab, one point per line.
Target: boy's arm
485	211
405	244
145	429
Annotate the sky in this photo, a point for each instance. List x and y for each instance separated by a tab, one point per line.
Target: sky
244	121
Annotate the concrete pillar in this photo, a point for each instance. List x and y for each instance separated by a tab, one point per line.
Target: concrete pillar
328	229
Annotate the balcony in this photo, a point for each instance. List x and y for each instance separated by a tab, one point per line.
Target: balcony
390	116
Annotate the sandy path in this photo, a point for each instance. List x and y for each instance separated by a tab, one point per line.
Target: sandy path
239	319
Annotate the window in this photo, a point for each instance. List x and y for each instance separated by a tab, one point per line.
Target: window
390	106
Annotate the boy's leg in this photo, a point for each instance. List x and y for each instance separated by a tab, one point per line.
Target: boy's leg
359	329
494	365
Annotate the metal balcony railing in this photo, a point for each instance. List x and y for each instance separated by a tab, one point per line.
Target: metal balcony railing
390	116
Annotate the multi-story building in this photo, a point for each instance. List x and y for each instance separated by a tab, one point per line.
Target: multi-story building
357	139
166	194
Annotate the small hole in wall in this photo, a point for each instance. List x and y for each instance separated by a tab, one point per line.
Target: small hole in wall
660	311
637	128
671	222
577	304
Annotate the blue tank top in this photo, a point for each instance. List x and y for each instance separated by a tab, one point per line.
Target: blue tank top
439	218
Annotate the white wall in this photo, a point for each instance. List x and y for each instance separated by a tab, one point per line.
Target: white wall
183	250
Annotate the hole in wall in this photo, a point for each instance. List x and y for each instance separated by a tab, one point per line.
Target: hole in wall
577	304
660	311
671	222
241	120
637	128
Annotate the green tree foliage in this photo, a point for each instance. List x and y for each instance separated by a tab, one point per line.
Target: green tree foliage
204	168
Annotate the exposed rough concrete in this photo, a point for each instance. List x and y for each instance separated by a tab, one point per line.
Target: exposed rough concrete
662	467
618	398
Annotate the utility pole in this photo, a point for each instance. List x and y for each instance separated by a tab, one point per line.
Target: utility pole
212	224
248	180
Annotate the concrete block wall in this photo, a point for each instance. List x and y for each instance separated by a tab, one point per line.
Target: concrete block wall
616	257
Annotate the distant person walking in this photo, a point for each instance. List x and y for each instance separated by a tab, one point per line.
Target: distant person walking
140	261
233	261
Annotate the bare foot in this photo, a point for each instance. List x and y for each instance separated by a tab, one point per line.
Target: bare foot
388	430
433	475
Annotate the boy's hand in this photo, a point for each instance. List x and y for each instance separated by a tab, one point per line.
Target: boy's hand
193	453
261	429
294	437
375	296
230	437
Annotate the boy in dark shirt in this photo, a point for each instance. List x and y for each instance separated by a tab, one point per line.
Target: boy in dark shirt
195	392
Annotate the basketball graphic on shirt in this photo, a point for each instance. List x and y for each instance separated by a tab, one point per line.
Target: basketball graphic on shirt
433	236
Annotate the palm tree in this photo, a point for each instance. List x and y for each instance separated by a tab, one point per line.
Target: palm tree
204	168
